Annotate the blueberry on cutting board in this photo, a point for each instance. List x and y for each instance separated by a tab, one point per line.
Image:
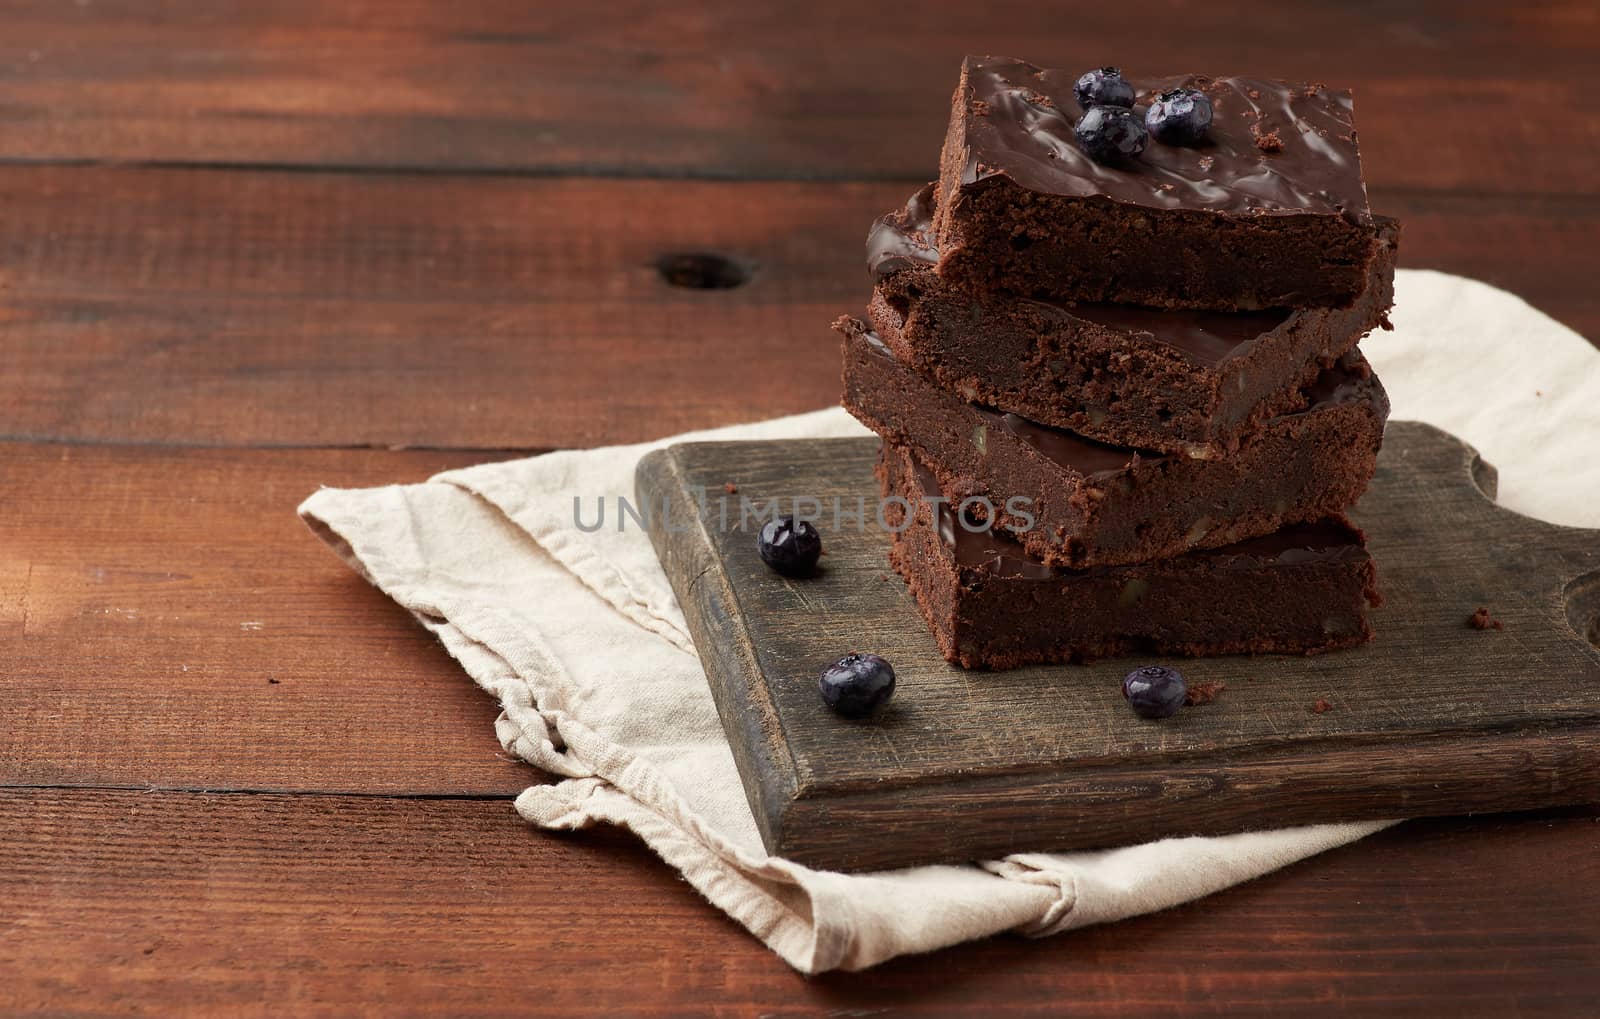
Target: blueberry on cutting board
1155	691
789	546
857	685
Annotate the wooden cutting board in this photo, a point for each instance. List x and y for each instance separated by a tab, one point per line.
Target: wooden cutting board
1433	718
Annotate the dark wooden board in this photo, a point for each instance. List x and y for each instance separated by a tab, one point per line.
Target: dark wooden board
135	903
1450	94
264	308
1433	718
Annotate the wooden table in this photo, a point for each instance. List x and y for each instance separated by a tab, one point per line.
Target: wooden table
247	249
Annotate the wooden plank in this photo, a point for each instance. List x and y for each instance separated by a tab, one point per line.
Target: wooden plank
307	309
1452	95
179	904
321	899
166	620
1433	718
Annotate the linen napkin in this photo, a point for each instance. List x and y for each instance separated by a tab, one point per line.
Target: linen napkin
578	635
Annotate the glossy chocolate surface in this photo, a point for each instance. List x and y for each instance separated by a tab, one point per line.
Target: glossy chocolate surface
1001	556
904	239
1273	148
1206	337
1071	451
1350	380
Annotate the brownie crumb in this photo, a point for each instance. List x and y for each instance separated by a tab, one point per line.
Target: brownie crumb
980	108
1267	141
272	680
1203	693
1481	620
730	488
1322	705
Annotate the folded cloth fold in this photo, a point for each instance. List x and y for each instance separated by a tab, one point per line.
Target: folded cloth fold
576	632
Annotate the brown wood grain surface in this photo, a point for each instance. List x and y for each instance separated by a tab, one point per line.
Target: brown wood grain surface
346	224
194	904
266	308
1450	94
167	621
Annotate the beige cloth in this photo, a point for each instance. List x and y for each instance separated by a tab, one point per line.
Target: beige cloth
580	637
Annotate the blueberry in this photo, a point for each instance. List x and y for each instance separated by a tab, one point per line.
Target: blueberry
1110	134
1178	116
1103	86
857	685
791	547
1155	691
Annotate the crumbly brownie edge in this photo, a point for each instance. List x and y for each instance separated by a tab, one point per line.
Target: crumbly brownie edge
997	236
952	156
1114	386
968	615
1046	369
1306	466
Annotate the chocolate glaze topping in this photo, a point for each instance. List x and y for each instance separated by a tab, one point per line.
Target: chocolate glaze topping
1070	450
1349	380
1205	337
1274	147
904	239
1000	554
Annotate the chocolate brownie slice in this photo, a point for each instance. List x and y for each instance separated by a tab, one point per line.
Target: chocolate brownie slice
1074	502
1304	589
1162	380
1269	211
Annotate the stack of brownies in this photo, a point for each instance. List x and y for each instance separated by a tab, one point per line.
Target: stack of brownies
1121	401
